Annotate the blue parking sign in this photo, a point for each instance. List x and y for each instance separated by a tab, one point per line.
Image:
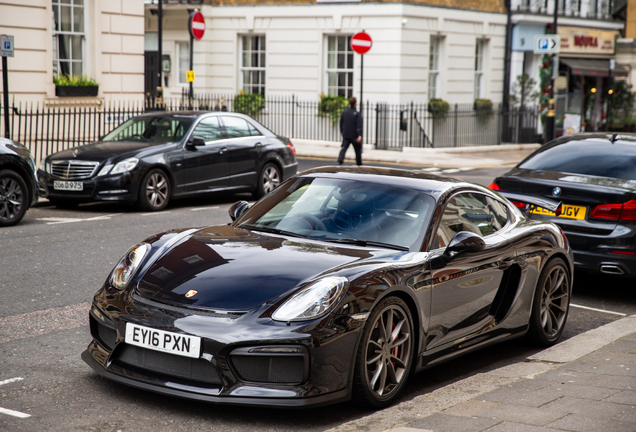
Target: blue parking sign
547	44
543	44
6	46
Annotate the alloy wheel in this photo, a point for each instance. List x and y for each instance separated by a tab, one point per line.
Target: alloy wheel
555	297
157	189
388	351
11	198
271	179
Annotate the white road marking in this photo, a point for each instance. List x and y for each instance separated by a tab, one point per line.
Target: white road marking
450	171
60	220
14	413
10	380
155	213
204	208
597	310
430	169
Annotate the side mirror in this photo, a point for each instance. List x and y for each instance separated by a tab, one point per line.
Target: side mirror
464	241
195	142
237	209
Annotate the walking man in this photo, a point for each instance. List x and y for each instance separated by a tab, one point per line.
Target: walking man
351	129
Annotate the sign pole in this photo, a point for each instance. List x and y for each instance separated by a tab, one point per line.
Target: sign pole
361	43
191	65
5	94
361	81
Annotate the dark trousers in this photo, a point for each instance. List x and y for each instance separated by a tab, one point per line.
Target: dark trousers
357	146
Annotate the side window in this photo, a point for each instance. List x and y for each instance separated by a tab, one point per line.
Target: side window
209	129
253	130
235	127
472	212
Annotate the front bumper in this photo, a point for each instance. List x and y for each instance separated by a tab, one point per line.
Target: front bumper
327	348
120	187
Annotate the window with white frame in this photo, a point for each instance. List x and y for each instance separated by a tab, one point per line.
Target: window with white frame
183	49
339	66
68	37
433	68
479	68
253	64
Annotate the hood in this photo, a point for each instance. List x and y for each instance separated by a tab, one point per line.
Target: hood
103	150
236	269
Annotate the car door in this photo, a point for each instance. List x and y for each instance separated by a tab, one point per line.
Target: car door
245	144
207	167
467	288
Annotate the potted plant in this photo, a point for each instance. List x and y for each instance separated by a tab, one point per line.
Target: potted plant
250	104
439	107
73	86
332	106
483	108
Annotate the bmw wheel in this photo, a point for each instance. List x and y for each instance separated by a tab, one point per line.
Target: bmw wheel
268	180
551	303
14	198
385	354
154	192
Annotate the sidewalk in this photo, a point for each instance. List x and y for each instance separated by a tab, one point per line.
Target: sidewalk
504	155
587	384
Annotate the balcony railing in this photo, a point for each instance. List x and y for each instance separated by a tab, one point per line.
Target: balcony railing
591	9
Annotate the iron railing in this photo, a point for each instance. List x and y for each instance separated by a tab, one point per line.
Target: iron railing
46	130
592	9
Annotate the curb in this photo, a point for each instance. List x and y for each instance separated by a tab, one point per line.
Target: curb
467	389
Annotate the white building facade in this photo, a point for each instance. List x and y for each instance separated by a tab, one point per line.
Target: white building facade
419	51
99	39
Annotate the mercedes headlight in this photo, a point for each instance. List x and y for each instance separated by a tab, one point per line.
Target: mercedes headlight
125	166
127	266
44	166
313	301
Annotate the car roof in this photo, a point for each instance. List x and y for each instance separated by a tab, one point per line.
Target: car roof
431	184
189	114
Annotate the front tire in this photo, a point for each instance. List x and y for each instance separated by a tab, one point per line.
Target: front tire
551	304
154	191
268	180
385	354
14	198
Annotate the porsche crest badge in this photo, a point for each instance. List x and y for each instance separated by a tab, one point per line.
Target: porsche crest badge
191	293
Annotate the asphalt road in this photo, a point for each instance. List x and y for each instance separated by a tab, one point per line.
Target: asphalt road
55	260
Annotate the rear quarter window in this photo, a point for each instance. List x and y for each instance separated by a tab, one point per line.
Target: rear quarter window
596	157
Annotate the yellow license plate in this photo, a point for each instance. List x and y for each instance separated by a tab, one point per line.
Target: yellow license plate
568	211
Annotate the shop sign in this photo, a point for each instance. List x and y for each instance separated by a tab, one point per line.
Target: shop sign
584	41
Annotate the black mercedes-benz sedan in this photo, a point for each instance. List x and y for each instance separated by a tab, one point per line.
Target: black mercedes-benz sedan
154	157
337	285
18	182
594	175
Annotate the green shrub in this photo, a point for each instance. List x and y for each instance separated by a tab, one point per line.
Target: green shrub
483	108
66	80
439	107
249	104
332	106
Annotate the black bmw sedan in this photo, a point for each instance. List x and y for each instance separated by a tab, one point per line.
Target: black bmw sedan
594	175
18	182
152	158
337	285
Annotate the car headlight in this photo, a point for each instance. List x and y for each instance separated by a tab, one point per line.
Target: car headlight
105	170
46	167
124	166
313	301
127	266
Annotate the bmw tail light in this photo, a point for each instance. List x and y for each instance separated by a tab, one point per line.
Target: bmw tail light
291	148
494	186
626	211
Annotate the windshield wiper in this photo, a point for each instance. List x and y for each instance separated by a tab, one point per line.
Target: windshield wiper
362	242
271	230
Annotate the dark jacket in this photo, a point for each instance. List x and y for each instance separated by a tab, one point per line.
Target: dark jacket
351	124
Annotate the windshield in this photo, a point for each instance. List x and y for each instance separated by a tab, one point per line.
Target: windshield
158	129
592	157
344	211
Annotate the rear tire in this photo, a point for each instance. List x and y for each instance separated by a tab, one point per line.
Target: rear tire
551	304
268	179
14	198
154	191
385	354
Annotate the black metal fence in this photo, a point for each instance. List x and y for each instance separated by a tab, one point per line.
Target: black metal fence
46	130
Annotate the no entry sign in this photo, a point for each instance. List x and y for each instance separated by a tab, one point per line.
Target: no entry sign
361	42
196	25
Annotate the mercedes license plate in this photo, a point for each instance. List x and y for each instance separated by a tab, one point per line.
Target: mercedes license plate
68	185
159	340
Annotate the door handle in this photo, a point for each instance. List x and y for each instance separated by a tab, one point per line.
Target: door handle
223	150
506	262
258	144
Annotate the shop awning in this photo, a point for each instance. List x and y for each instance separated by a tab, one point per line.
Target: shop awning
593	67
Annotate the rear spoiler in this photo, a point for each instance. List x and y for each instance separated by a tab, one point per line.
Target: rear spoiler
533	200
